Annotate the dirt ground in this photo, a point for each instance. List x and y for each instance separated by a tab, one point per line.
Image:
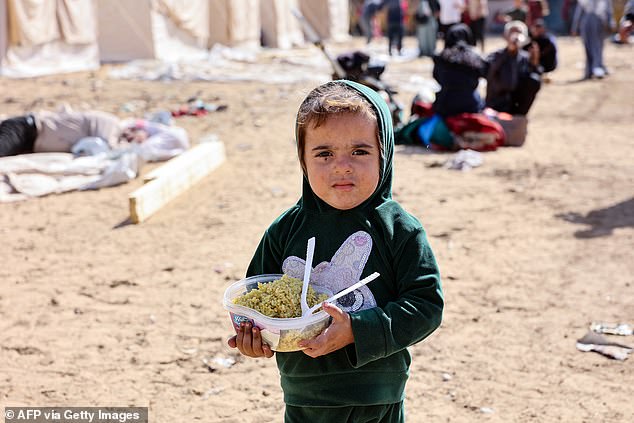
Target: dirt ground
534	245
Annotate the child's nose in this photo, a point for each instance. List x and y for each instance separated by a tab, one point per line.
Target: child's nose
343	165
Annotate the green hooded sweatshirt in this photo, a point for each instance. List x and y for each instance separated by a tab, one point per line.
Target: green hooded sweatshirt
398	309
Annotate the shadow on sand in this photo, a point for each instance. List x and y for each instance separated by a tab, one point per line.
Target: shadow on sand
602	222
125	222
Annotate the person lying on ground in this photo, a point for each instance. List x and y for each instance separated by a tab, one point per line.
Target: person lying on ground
47	131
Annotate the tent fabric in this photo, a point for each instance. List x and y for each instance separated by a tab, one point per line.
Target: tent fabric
169	30
234	23
125	30
35	22
32	22
279	27
77	21
330	18
186	14
44	37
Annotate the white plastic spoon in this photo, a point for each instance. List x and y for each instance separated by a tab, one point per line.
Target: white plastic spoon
343	292
310	251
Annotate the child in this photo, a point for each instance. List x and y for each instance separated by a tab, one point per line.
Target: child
357	368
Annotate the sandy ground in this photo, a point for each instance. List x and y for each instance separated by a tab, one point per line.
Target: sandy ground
534	245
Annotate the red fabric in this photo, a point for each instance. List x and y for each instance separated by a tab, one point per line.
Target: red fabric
187	111
466	125
422	109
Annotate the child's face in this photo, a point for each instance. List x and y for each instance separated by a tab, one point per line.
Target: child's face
342	158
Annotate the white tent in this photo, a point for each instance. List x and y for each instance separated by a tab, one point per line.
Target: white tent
40	37
234	23
330	18
279	27
170	30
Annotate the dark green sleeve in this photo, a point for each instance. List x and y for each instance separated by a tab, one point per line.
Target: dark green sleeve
414	315
267	257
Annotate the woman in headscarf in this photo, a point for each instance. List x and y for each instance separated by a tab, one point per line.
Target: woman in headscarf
458	69
426	18
591	21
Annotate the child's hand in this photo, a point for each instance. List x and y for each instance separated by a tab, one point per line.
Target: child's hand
336	336
249	342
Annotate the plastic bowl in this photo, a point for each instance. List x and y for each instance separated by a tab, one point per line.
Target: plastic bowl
281	335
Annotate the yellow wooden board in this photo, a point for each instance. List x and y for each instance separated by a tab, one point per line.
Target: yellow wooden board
174	177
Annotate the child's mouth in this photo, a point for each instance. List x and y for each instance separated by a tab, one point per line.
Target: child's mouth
343	186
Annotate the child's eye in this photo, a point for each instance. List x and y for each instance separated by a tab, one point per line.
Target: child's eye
323	154
360	152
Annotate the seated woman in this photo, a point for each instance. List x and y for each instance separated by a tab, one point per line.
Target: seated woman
458	68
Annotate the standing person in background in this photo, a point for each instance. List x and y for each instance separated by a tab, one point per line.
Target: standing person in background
518	12
592	19
426	18
450	14
537	9
368	11
395	25
567	13
478	10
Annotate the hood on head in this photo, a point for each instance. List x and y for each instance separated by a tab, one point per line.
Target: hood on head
459	33
383	191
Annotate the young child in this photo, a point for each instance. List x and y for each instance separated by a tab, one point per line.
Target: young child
356	370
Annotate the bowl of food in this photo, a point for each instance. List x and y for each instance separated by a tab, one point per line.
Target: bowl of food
272	303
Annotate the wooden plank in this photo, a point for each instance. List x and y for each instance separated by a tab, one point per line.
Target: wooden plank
174	177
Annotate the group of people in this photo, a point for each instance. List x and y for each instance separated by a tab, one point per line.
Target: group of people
590	19
513	73
432	18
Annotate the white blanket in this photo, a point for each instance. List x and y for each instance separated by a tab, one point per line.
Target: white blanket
38	174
